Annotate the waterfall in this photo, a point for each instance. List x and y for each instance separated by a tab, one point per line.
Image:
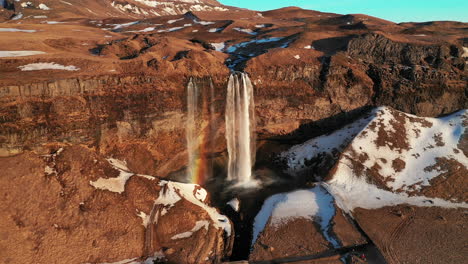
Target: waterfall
191	128
240	128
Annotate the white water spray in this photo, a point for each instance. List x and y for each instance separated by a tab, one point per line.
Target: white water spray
240	128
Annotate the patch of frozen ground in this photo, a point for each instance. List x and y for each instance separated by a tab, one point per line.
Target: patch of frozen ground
315	204
47	66
17	30
19	53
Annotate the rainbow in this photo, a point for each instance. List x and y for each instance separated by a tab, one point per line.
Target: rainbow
198	170
199	137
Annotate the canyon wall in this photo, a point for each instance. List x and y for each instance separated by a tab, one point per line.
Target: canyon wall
141	118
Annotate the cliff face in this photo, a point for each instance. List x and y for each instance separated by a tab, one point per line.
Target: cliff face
144	115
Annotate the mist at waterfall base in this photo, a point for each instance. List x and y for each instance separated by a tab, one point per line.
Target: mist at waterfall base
240	132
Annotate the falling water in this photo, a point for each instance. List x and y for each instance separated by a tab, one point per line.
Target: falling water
191	128
240	127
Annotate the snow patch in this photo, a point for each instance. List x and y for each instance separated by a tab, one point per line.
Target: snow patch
53	22
353	192
465	52
170	29
27	4
17	30
233	48
172	192
44	7
204	23
235	204
297	57
117	184
246	30
117	26
17	17
174	20
47	66
219	46
315	204
144	217
19	53
198	225
214	30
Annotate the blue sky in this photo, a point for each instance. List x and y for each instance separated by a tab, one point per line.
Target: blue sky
394	10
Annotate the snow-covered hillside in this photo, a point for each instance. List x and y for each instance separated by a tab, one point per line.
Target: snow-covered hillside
390	158
110	8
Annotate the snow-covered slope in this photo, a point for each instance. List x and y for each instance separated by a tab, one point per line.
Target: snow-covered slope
112	8
315	204
389	158
400	158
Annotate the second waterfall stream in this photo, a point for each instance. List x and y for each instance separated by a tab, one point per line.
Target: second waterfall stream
240	128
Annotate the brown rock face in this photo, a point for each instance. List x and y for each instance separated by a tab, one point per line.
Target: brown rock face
414	234
53	214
